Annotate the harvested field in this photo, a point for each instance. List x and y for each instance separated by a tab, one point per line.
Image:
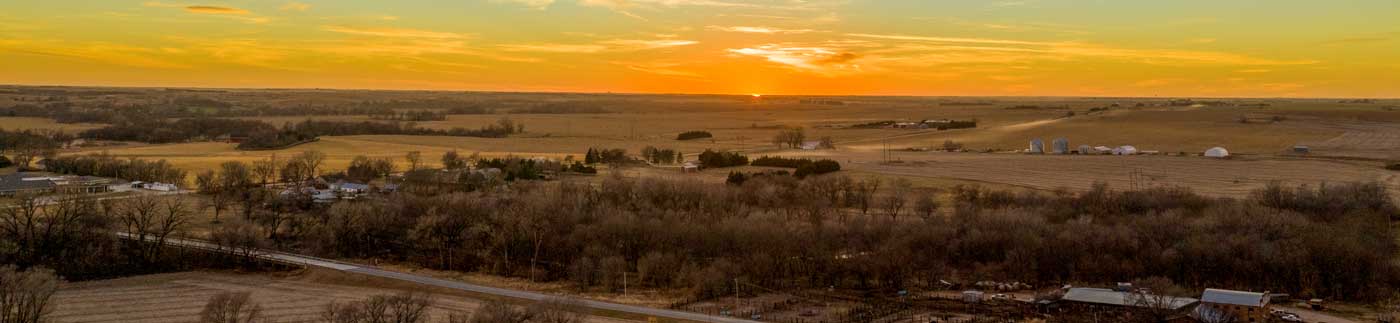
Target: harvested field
179	297
1233	177
26	123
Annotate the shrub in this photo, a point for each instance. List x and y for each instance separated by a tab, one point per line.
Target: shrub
804	166
689	135
721	159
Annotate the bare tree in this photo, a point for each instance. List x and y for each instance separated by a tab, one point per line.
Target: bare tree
231	307
451	160
151	221
24	296
497	311
218	202
265	170
894	201
405	307
241	238
415	160
557	310
926	206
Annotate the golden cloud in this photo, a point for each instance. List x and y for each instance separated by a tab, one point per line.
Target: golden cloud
391	32
215	10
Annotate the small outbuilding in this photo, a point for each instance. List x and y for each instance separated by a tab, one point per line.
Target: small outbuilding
690	167
1085	150
1125	150
1103	150
972	296
1060	146
1037	146
1217	152
1301	149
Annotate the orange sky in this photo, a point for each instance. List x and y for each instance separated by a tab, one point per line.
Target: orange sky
1291	48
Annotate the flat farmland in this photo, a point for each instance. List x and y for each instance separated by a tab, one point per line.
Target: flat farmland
1232	177
27	123
179	297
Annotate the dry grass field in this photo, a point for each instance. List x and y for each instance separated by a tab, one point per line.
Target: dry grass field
26	123
178	297
1349	140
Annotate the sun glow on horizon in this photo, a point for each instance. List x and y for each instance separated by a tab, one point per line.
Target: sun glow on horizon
1185	48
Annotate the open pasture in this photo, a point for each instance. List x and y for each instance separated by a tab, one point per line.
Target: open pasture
179	297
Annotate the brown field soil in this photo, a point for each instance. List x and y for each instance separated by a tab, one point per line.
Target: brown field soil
1216	177
1334	130
179	297
26	123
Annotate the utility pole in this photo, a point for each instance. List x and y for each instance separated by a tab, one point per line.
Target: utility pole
624	284
736	298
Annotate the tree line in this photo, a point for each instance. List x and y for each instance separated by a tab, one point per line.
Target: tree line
252	134
782	232
29	146
104	165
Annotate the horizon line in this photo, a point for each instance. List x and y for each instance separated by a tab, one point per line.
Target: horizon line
695	93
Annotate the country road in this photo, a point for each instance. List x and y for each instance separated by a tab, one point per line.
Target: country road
301	260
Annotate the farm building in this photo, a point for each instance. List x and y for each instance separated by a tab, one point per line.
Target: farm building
1060	146
972	296
163	187
1125	150
1108	298
1301	149
811	145
1037	146
24	183
1217	152
690	167
350	188
1086	150
1103	150
1237	305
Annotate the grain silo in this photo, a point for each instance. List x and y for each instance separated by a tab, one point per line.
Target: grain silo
1060	146
1037	146
1086	150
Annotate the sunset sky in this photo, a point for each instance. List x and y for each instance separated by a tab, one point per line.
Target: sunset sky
1255	48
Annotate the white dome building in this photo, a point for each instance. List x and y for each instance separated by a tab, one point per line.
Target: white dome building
1125	150
1217	152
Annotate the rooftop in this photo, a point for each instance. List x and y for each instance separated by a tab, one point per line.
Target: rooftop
1233	297
17	182
1102	296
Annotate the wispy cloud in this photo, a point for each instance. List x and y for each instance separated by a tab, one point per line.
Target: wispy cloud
536	4
391	32
1069	50
758	30
820	60
101	52
660	68
294	6
216	10
238	14
613	45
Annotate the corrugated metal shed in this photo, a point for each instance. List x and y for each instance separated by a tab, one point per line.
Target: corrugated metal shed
1233	297
1109	297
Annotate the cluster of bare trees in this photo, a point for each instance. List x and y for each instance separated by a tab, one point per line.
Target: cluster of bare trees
75	236
791	137
406	307
834	231
110	166
24	295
